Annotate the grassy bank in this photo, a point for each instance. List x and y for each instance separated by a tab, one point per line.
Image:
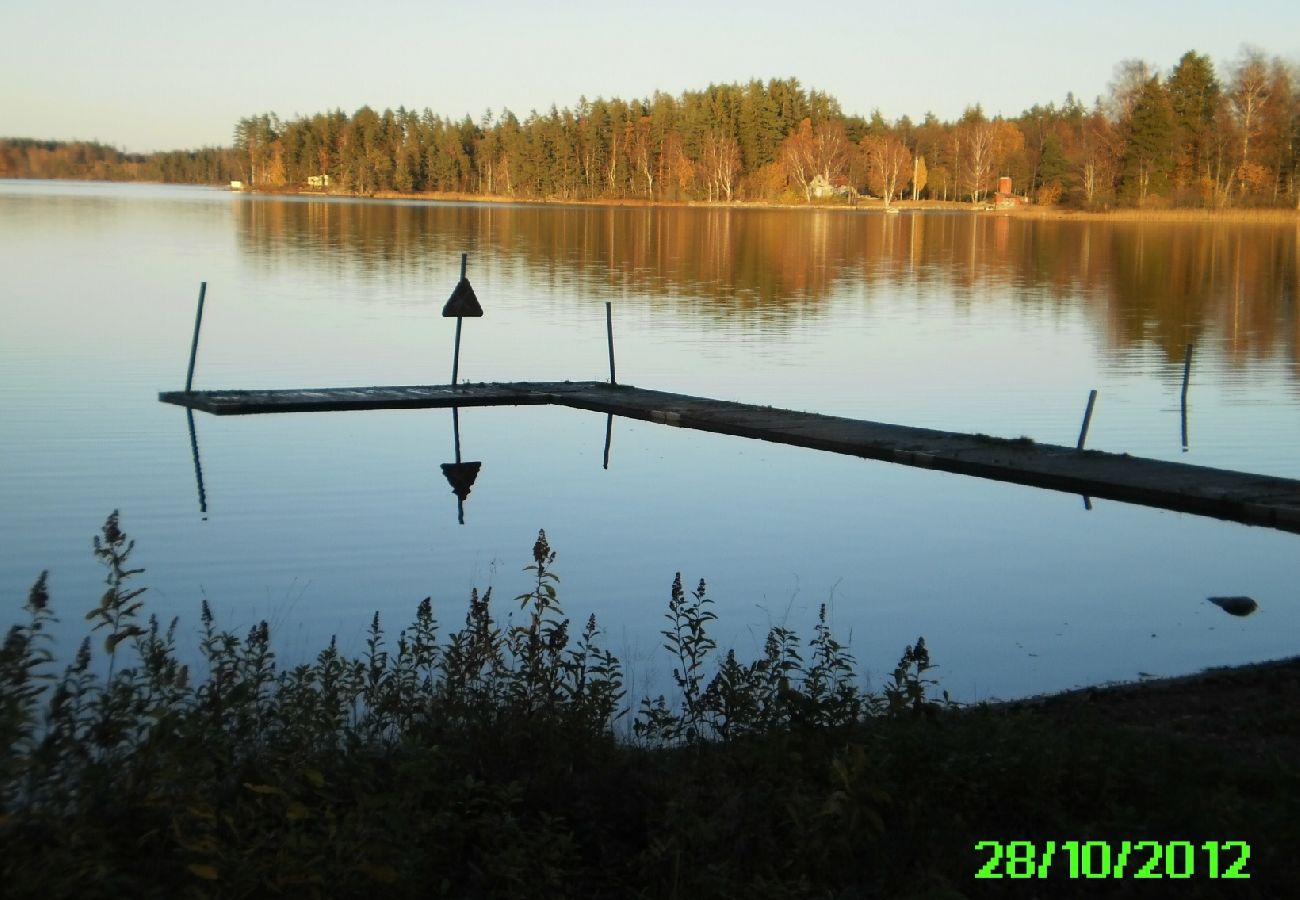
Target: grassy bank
482	762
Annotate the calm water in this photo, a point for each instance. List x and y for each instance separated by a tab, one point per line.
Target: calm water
972	323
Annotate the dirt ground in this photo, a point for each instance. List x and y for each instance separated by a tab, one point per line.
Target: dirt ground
1250	710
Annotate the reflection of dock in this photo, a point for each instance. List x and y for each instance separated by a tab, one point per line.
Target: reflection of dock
1223	494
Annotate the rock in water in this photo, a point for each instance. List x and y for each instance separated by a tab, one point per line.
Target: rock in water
1235	606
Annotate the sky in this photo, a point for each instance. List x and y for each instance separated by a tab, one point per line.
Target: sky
145	75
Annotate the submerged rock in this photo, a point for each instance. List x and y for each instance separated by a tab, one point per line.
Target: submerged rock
1235	606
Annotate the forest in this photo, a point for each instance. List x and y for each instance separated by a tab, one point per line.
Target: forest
1190	136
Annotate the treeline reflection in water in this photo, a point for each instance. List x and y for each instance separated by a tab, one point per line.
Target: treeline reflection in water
1158	282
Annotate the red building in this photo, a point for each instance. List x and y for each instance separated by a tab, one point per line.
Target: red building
1004	199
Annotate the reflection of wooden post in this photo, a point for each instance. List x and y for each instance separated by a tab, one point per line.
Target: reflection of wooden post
609	331
609	433
1187	374
460	475
198	467
455	422
1087	417
194	344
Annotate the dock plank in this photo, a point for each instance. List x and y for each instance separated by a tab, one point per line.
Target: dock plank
1236	496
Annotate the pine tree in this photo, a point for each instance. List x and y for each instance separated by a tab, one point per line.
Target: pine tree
1150	141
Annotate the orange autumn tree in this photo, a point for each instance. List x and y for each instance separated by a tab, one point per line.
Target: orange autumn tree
889	165
815	155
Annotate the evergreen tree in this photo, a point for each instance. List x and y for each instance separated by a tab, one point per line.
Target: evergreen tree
1194	95
1151	138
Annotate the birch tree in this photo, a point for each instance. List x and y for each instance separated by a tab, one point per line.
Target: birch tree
889	165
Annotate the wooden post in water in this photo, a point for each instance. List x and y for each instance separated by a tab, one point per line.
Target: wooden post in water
1187	374
1087	417
455	360
609	332
194	344
461	303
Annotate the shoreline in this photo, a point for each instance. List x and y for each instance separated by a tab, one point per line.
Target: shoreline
1226	215
1229	215
1246	710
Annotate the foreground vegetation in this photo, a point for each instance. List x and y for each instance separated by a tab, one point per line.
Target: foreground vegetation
485	764
1190	136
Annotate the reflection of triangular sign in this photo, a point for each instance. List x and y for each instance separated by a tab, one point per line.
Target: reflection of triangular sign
461	476
462	302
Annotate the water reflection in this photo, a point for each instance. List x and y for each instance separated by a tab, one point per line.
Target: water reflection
460	475
198	466
1158	283
320	539
609	436
864	534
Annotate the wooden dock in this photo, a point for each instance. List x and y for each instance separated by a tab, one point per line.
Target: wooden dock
1236	496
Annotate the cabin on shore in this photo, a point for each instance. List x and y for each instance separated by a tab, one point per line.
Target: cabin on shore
318	181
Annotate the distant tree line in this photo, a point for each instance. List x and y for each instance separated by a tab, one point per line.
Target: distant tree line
91	160
1186	137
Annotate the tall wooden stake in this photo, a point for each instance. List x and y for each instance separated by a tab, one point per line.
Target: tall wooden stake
609	331
455	359
1087	417
1187	374
194	344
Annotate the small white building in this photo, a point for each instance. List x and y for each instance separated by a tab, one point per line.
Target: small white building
820	188
318	181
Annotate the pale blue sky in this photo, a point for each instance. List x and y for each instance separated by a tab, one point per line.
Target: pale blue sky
147	74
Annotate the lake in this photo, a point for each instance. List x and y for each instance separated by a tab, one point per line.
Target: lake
959	321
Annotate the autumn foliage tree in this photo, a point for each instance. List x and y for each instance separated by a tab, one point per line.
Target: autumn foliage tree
798	158
976	136
889	165
720	164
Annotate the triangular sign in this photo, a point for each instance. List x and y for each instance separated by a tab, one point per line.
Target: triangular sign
462	303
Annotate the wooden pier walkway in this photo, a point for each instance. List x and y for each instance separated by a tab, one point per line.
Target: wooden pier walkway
1223	494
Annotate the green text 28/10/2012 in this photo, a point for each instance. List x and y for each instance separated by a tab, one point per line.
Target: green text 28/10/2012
1101	859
